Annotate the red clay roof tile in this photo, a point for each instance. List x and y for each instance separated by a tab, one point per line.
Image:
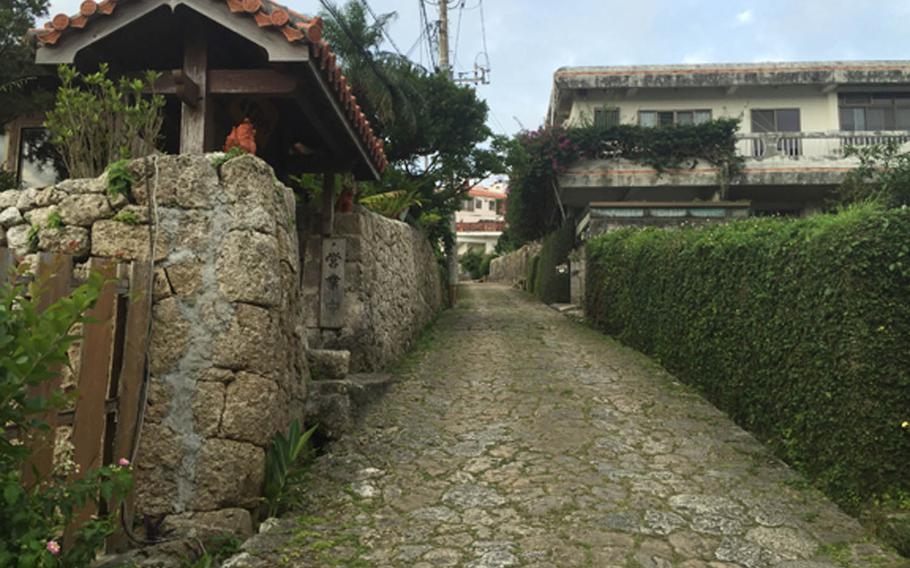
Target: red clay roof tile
295	27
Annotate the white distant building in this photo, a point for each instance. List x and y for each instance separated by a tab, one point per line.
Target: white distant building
481	219
796	121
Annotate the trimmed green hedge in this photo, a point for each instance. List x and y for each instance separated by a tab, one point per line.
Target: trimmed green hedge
799	329
549	285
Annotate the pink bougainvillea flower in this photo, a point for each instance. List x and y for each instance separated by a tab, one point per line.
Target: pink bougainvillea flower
123	462
53	547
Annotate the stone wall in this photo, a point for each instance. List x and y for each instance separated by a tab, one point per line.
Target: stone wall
393	288
227	352
513	267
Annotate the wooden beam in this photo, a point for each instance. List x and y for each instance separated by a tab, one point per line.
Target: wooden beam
232	82
185	88
328	203
195	120
251	82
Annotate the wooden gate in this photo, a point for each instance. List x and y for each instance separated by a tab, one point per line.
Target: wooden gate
109	373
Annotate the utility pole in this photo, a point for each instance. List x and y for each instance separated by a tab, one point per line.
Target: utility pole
446	69
444	39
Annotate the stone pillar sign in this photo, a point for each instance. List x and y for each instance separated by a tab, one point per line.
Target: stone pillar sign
331	286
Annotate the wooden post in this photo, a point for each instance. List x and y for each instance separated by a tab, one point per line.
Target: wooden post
195	120
328	204
54	275
132	377
94	377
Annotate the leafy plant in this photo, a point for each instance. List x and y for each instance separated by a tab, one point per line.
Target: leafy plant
97	121
224	158
476	263
54	221
222	548
883	176
119	179
32	236
391	204
284	467
32	515
7	180
127	217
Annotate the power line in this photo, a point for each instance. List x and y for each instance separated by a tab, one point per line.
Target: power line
381	26
356	43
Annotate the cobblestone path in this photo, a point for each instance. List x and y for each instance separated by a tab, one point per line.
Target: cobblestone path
516	437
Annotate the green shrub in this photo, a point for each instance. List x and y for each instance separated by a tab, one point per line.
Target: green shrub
798	329
550	284
485	265
33	515
470	262
285	466
532	273
97	121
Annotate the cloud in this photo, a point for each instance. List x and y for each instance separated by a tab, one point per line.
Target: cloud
744	18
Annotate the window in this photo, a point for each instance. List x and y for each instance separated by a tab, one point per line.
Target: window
604	117
776	120
875	111
38	165
491	205
478	204
651	118
468	205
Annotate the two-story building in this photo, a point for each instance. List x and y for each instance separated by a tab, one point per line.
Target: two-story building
481	219
796	119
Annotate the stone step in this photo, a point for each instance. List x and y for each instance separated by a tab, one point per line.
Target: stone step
329	364
336	405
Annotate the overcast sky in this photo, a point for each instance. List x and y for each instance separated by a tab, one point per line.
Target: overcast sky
528	40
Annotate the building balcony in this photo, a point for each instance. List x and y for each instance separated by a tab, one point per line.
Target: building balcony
781	171
811	145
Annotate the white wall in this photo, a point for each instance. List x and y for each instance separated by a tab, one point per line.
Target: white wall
484	213
818	111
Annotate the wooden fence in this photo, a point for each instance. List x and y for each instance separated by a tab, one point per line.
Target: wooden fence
109	372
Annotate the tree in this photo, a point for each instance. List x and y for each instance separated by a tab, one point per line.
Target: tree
435	131
18	72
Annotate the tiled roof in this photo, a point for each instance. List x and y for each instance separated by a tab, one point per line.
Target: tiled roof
481	192
296	28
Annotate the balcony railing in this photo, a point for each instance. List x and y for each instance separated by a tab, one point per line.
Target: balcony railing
796	145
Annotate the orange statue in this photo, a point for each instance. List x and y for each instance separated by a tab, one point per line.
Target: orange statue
243	136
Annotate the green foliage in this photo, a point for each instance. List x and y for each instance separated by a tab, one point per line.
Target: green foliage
7	180
32	516
531	278
119	179
883	176
551	278
222	548
97	121
507	242
32	236
285	466
20	93
435	130
485	264
797	328
127	218
476	263
224	158
392	204
536	159
54	220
